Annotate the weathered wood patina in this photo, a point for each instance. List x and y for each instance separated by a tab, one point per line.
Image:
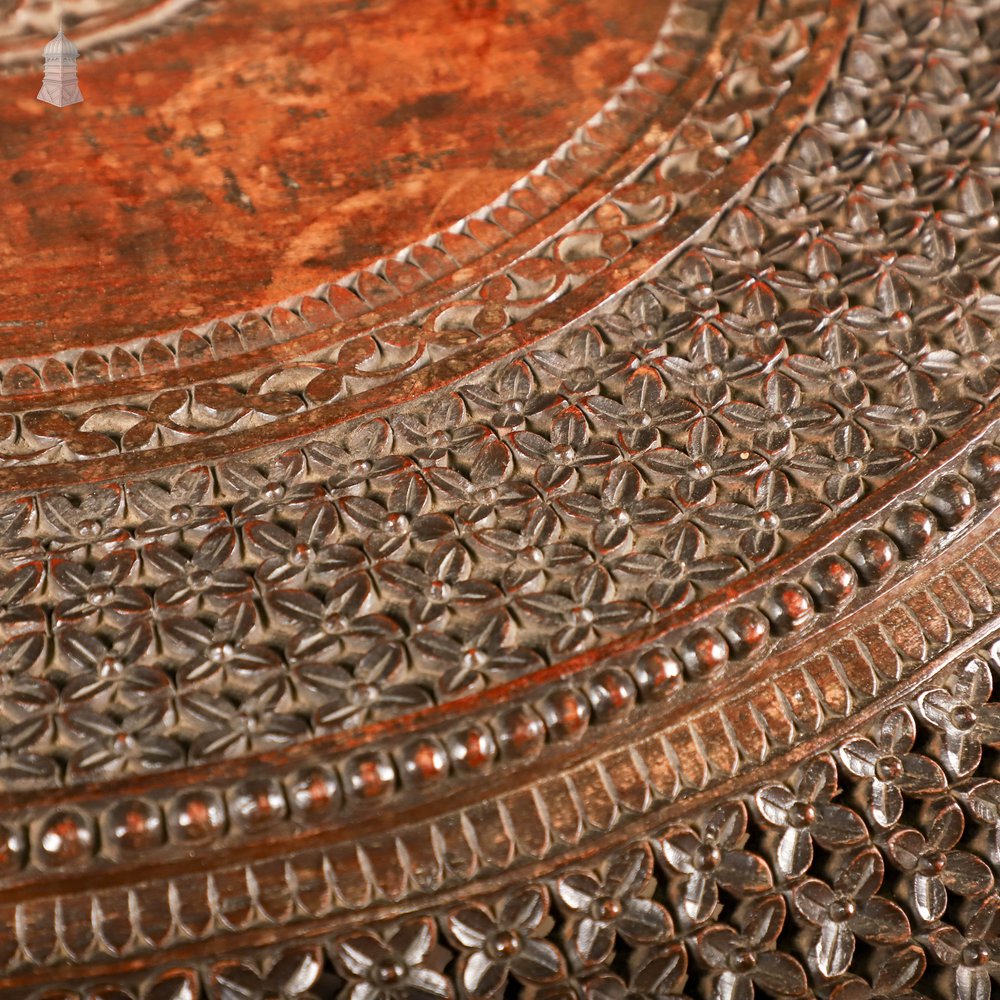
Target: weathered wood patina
500	499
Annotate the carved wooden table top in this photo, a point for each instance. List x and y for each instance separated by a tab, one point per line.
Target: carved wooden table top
499	498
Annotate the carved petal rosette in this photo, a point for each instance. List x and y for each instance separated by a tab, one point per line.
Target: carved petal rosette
595	599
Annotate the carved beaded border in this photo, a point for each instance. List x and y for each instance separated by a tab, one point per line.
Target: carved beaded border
624	833
67	836
783	835
553	183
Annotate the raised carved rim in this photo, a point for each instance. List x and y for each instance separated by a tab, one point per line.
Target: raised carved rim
649	257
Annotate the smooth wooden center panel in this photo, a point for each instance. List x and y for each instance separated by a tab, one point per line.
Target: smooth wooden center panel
258	153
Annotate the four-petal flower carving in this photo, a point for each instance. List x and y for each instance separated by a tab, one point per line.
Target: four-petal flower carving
230	730
935	866
111	672
619	511
443	432
565	453
364	695
711	368
761	524
852	458
280	484
185	506
399	966
201	578
646	409
964	715
132	745
612	906
972	954
807	813
443	588
749	957
532	556
585	363
503	942
327	626
220	651
590	610
693	473
715	859
511	397
672	579
849	909
782	416
480	653
290	976
891	766
288	555
100	592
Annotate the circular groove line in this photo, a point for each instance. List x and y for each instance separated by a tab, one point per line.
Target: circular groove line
651	254
491	262
799	105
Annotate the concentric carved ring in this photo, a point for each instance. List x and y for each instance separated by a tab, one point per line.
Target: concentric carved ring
596	598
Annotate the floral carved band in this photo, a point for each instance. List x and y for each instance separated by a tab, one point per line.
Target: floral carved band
593	597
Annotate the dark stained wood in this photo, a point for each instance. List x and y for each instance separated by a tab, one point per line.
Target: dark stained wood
500	499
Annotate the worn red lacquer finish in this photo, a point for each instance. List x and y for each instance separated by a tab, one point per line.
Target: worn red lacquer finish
499	499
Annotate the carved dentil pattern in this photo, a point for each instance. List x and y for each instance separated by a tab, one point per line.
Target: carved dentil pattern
866	871
600	482
834	330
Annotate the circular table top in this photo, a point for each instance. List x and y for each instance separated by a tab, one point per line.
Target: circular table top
497	499
253	152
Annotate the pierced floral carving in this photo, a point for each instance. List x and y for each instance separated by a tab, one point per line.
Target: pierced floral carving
595	576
